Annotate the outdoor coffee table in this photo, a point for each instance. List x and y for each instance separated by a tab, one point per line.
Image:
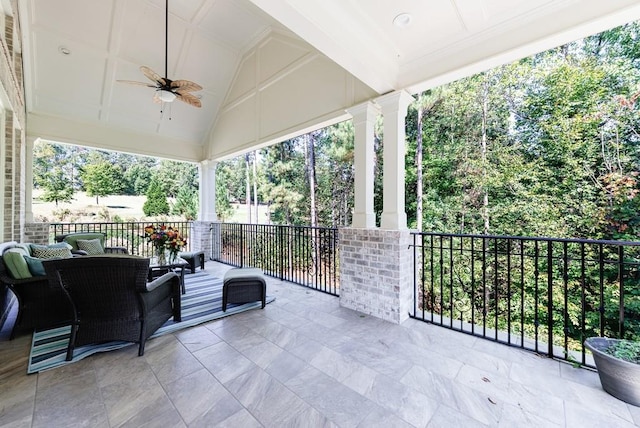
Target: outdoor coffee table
178	266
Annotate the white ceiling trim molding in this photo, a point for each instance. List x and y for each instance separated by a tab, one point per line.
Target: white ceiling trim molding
101	136
336	46
467	60
282	89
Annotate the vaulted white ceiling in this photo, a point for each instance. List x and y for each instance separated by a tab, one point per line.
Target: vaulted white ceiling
76	98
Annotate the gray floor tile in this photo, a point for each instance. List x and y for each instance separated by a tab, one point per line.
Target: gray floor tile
201	400
337	402
304	361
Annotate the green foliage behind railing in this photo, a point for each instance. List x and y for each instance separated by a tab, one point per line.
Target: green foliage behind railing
543	294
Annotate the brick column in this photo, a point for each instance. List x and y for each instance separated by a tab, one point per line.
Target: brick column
201	238
376	276
36	233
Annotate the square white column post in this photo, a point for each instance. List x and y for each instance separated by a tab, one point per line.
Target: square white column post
28	179
203	232
394	110
364	118
207	195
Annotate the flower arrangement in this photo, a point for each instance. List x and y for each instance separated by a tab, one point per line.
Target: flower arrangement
165	238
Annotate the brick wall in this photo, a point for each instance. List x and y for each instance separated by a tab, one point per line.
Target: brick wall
376	275
12	121
36	233
201	237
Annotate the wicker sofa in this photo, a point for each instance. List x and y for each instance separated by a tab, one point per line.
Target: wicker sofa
39	305
78	239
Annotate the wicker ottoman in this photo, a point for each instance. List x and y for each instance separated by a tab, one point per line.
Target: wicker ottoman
243	285
194	258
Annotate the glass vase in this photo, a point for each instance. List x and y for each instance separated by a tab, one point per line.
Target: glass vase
161	255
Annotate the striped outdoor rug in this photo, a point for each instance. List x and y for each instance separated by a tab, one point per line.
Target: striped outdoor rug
202	302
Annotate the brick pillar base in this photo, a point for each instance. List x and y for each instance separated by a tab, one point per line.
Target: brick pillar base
36	233
376	276
201	238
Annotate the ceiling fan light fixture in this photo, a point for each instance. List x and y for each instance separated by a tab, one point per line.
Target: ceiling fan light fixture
166	96
402	20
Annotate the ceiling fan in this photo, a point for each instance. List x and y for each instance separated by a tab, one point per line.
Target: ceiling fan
168	90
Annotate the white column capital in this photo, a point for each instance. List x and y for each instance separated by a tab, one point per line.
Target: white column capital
367	111
393	102
209	164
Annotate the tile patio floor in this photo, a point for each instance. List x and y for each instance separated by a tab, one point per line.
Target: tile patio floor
304	361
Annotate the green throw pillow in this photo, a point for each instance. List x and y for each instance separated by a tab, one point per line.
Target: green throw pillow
16	264
35	266
93	247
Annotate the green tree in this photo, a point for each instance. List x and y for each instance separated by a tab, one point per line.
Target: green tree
138	176
224	190
57	187
102	179
334	171
156	203
186	203
285	189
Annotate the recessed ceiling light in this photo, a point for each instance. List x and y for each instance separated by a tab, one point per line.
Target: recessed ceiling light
403	20
64	51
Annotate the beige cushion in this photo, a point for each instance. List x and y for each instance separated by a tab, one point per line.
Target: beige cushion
93	247
51	252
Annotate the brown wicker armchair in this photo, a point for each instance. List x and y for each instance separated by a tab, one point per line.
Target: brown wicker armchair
112	300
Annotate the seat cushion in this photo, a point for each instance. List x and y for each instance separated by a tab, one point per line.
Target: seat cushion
243	273
16	264
93	247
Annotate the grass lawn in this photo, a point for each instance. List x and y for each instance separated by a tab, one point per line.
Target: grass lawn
83	209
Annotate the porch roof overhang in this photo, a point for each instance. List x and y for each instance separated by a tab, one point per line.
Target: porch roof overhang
271	69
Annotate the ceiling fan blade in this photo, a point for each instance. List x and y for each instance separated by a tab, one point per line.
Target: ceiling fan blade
156	98
183	86
189	99
152	75
133	82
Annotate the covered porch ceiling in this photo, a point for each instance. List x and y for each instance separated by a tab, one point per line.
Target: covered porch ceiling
270	69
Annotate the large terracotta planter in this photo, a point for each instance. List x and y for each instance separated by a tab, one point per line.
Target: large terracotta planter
618	377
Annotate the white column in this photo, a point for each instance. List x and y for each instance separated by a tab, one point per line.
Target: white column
364	118
207	209
394	109
28	179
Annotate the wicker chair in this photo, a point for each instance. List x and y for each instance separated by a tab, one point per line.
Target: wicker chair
39	306
112	300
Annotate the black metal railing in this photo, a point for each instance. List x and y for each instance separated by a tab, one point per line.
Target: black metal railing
129	235
300	254
541	294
